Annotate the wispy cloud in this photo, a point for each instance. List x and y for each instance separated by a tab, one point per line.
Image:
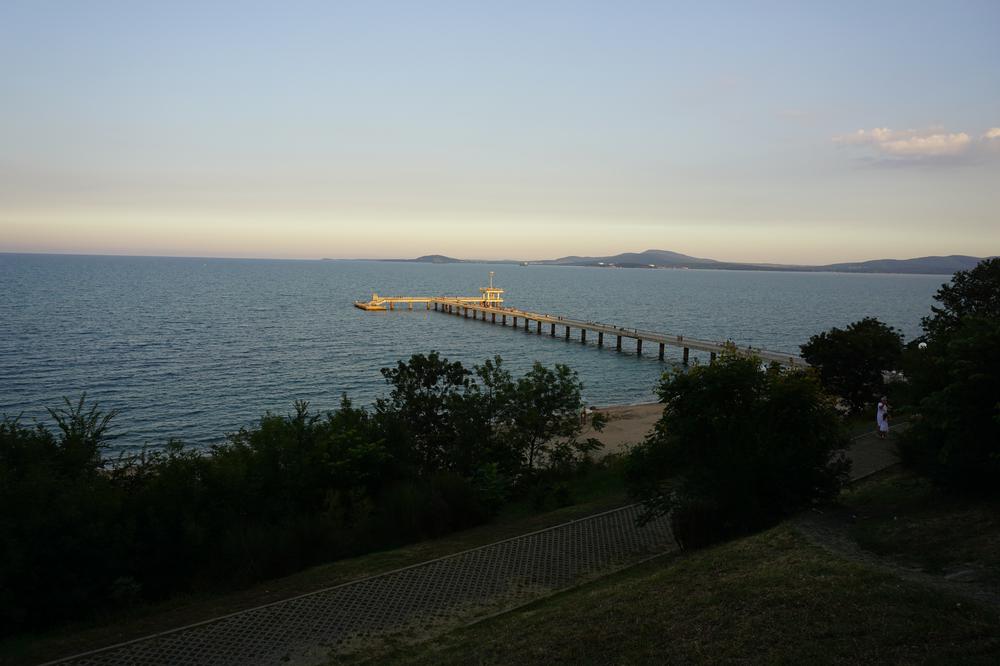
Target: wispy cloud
923	146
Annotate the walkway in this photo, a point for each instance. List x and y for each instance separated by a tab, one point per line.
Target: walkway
430	597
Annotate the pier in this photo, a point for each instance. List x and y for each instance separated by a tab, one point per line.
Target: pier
488	306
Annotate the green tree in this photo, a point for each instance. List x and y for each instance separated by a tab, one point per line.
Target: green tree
546	418
851	360
737	448
972	293
955	376
427	393
956	439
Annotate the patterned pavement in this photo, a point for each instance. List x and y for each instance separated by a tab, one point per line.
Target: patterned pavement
426	598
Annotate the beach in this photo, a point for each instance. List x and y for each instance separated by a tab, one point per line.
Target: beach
627	425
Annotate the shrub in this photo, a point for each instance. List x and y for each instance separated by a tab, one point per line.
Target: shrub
737	448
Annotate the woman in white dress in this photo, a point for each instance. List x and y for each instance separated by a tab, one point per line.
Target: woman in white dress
882	418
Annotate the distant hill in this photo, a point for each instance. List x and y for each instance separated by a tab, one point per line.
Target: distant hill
667	259
931	265
632	259
437	259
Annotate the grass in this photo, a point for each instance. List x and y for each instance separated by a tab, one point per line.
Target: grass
767	598
600	488
904	517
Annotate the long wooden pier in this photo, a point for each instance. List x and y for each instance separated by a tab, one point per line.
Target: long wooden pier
490	304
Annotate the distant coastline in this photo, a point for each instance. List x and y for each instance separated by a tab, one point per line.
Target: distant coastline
664	259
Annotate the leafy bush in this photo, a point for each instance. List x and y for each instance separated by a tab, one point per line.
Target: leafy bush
737	448
851	360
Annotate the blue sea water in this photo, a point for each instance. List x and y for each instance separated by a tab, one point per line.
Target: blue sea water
194	348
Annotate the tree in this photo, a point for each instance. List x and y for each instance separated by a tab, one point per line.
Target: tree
851	360
545	417
956	439
426	392
737	448
972	293
955	376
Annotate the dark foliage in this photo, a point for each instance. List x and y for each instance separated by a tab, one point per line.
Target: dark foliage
955	378
443	451
972	293
851	360
737	448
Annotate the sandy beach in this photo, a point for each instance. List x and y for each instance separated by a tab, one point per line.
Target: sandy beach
627	425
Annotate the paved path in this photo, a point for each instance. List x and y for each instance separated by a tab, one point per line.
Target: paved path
869	454
428	598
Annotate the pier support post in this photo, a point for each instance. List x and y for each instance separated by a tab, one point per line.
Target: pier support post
552	331
618	345
503	320
538	327
661	350
583	335
409	306
567	332
526	322
638	346
428	305
687	352
600	338
466	313
392	306
515	322
493	317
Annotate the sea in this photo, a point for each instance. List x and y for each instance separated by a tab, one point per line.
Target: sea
193	348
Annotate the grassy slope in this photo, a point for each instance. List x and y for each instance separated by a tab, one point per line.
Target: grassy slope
769	597
904	517
600	489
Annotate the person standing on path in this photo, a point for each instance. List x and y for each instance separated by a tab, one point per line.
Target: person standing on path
882	417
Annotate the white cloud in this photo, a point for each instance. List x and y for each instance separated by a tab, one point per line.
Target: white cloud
910	144
992	134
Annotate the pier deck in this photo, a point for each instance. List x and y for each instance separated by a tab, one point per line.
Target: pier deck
491	304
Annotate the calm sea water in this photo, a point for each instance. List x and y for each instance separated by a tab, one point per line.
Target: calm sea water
195	348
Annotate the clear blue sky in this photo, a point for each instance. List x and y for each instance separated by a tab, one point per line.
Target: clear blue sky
765	131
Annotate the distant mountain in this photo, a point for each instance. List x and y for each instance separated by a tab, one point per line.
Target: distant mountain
437	259
632	259
931	265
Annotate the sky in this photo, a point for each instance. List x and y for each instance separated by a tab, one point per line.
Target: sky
794	132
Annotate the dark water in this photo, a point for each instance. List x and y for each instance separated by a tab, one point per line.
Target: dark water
194	348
